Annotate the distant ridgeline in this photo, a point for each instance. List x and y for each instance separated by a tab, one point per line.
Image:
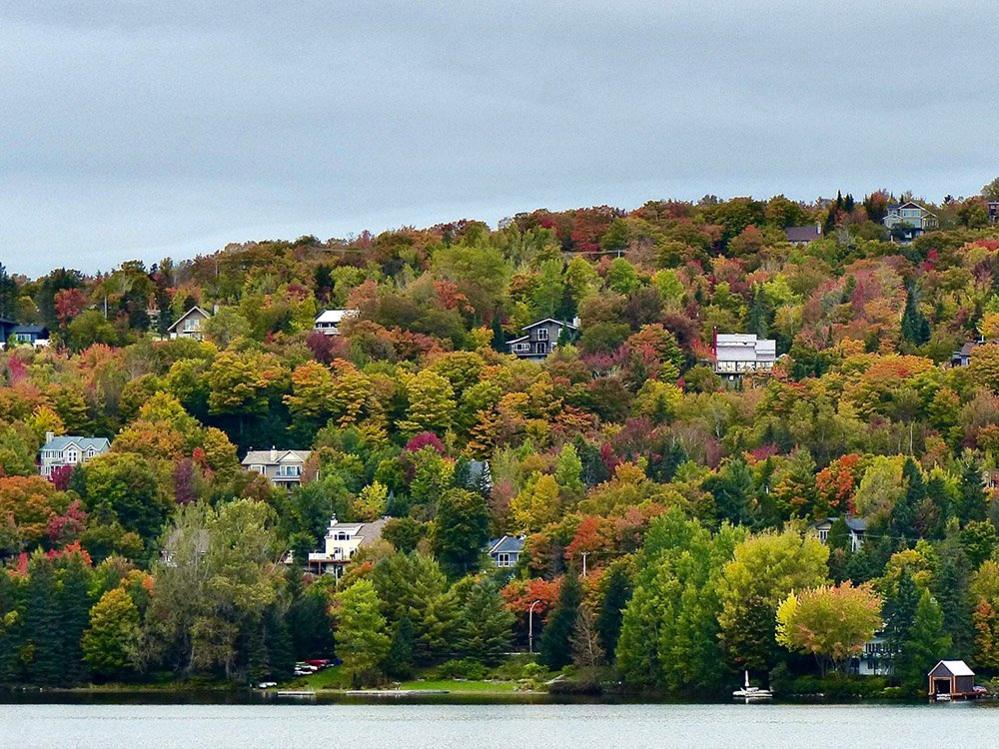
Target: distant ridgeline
665	446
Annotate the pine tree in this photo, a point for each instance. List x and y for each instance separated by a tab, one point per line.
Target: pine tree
973	503
74	576
556	645
617	592
399	661
485	625
915	326
899	612
927	643
42	625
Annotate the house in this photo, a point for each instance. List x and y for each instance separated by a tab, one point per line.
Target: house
188	325
505	550
908	220
875	660
953	678
962	357
341	543
281	467
857	527
69	450
329	321
799	235
742	353
541	338
992	207
34	335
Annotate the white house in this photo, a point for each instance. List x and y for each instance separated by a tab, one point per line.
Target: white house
188	325
341	543
281	467
743	353
329	321
876	660
69	450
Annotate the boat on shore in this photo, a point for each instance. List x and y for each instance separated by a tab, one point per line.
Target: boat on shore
750	694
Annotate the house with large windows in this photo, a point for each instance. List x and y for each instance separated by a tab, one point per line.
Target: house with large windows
505	551
69	450
342	541
14	334
743	353
189	324
329	321
541	338
906	221
281	467
856	528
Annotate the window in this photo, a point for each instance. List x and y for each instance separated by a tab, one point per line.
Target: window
257	469
503	559
542	334
542	348
823	535
289	471
72	456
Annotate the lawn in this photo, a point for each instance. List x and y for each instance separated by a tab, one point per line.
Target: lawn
457	685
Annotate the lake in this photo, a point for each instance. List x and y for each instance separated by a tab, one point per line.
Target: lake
552	726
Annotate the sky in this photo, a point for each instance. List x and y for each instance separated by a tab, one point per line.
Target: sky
133	129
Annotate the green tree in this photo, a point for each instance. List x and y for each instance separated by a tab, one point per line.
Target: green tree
556	638
927	643
111	642
617	591
45	644
362	638
460	530
431	404
485	624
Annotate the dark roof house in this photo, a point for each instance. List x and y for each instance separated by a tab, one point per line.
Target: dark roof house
803	234
951	678
505	550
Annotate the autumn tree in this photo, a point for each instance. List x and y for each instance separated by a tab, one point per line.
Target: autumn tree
362	639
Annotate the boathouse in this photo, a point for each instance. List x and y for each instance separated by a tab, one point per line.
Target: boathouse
953	678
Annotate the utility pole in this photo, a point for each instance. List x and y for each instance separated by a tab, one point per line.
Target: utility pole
530	627
584	553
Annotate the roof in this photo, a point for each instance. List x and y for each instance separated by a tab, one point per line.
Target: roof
333	316
263	457
857	525
187	314
966	349
518	340
744	347
561	323
956	668
35	329
84	443
803	233
367	532
506	544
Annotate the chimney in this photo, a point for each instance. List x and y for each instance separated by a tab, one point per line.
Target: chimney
273	454
49	436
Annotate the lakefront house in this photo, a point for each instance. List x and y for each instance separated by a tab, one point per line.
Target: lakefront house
341	542
69	450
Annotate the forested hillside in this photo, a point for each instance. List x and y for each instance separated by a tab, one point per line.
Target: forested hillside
687	499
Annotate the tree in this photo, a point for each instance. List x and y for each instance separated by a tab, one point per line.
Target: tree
587	652
556	638
617	592
764	570
831	622
431	404
991	190
915	326
484	625
927	643
460	530
89	328
124	487
44	639
111	642
362	639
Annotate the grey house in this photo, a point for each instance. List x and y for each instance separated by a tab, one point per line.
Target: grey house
69	450
188	325
908	220
12	332
856	526
799	235
281	467
505	551
541	338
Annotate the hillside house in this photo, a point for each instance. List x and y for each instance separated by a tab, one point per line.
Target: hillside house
505	551
743	353
992	207
799	235
189	324
328	323
857	527
340	544
22	335
69	450
541	338
281	467
952	678
908	220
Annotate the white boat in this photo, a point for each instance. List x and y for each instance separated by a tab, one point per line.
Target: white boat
749	693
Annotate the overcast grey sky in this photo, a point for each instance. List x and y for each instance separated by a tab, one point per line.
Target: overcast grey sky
140	129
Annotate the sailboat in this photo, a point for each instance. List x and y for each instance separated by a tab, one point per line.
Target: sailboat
749	693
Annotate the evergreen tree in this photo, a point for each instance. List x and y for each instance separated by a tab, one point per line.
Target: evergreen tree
732	487
902	524
972	504
460	530
42	625
617	591
485	625
899	613
951	591
915	326
927	643
308	618
556	644
399	660
74	576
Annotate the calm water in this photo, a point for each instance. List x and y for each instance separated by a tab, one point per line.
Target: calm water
28	726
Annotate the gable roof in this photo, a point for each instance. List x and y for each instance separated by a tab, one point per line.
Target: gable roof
956	668
803	233
99	444
187	314
561	323
333	316
506	544
263	457
857	525
35	329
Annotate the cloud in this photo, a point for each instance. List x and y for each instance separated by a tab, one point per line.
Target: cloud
135	130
